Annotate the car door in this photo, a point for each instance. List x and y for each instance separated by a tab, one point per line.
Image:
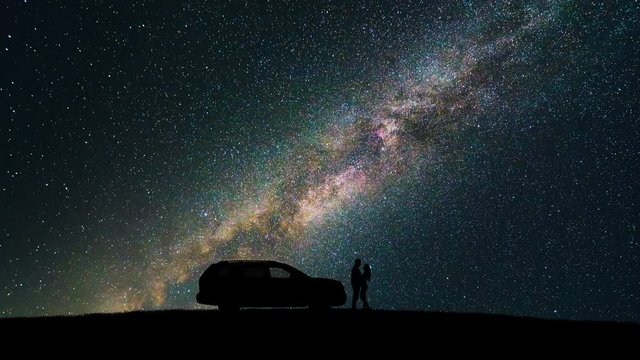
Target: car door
254	285
285	287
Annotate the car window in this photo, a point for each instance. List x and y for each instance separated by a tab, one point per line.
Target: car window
279	273
253	272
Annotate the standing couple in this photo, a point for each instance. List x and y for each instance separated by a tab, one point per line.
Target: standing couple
360	284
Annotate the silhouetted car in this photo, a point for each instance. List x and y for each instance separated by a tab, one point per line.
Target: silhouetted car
235	284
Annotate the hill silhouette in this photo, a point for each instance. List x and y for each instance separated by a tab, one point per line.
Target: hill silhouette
410	328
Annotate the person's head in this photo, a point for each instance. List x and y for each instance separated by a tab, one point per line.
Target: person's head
357	263
367	268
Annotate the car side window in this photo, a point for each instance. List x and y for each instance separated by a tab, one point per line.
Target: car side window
279	273
253	272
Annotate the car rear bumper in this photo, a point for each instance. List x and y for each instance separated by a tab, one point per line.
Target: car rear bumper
202	298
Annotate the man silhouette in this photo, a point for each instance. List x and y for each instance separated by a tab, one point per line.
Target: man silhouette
355	282
364	286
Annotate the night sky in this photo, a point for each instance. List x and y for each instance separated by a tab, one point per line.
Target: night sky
481	156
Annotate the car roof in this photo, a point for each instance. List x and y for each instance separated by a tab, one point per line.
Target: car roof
238	264
250	262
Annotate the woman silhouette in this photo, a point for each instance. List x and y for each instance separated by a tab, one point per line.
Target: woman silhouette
364	286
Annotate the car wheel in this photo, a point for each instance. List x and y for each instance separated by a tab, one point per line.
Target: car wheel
227	308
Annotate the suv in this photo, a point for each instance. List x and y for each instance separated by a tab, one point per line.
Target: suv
234	284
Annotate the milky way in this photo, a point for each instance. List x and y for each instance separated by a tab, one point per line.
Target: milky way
426	158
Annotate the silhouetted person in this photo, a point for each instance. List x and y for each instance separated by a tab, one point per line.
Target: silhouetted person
364	286
356	281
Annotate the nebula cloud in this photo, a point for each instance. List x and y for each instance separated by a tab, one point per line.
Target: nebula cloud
412	121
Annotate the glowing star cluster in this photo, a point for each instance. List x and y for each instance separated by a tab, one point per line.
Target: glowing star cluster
481	156
355	158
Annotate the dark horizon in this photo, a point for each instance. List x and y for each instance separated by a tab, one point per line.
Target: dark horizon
333	326
482	158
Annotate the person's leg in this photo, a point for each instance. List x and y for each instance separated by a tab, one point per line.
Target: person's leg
363	297
354	300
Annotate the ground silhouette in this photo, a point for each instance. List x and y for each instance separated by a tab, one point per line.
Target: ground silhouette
377	328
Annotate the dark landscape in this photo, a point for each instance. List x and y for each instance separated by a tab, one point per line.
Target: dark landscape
338	324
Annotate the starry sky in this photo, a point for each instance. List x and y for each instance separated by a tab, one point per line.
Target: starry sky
482	156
